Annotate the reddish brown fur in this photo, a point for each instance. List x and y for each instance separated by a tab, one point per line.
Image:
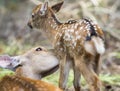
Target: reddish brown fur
78	43
19	83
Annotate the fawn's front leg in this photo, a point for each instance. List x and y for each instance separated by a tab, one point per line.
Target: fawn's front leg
64	72
77	76
88	73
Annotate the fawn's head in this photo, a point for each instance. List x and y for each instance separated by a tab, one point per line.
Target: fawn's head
41	13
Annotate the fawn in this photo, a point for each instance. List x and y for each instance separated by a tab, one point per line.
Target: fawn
34	64
78	44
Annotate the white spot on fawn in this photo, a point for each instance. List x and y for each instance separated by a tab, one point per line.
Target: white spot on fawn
71	30
66	36
58	43
76	25
88	32
61	49
81	28
76	32
78	37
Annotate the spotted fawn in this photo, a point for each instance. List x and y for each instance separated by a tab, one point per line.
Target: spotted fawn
77	43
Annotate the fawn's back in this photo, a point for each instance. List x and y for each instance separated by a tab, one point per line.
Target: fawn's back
80	35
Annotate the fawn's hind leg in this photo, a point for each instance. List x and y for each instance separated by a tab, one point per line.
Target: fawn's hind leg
97	63
88	73
77	76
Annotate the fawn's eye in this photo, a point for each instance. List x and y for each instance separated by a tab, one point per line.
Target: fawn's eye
39	49
42	13
33	15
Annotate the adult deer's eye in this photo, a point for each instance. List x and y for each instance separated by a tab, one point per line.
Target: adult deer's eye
39	49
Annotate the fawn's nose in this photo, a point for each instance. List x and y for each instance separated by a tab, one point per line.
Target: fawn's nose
30	25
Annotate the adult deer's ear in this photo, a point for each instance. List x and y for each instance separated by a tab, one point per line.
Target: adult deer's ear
44	8
57	6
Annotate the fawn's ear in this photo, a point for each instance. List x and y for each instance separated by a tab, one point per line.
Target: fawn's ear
57	6
44	8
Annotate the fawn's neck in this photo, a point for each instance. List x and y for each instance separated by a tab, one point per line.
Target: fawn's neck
52	26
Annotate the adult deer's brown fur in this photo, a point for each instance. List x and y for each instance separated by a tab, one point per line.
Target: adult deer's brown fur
78	43
20	83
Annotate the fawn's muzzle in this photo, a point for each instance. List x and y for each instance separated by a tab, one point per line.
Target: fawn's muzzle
30	25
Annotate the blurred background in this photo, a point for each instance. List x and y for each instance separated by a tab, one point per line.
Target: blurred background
16	37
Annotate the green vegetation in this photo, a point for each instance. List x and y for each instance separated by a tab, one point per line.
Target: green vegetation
13	48
4	72
54	78
109	79
118	55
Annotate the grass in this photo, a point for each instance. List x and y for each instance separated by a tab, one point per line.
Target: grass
118	55
54	78
109	79
13	48
4	72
